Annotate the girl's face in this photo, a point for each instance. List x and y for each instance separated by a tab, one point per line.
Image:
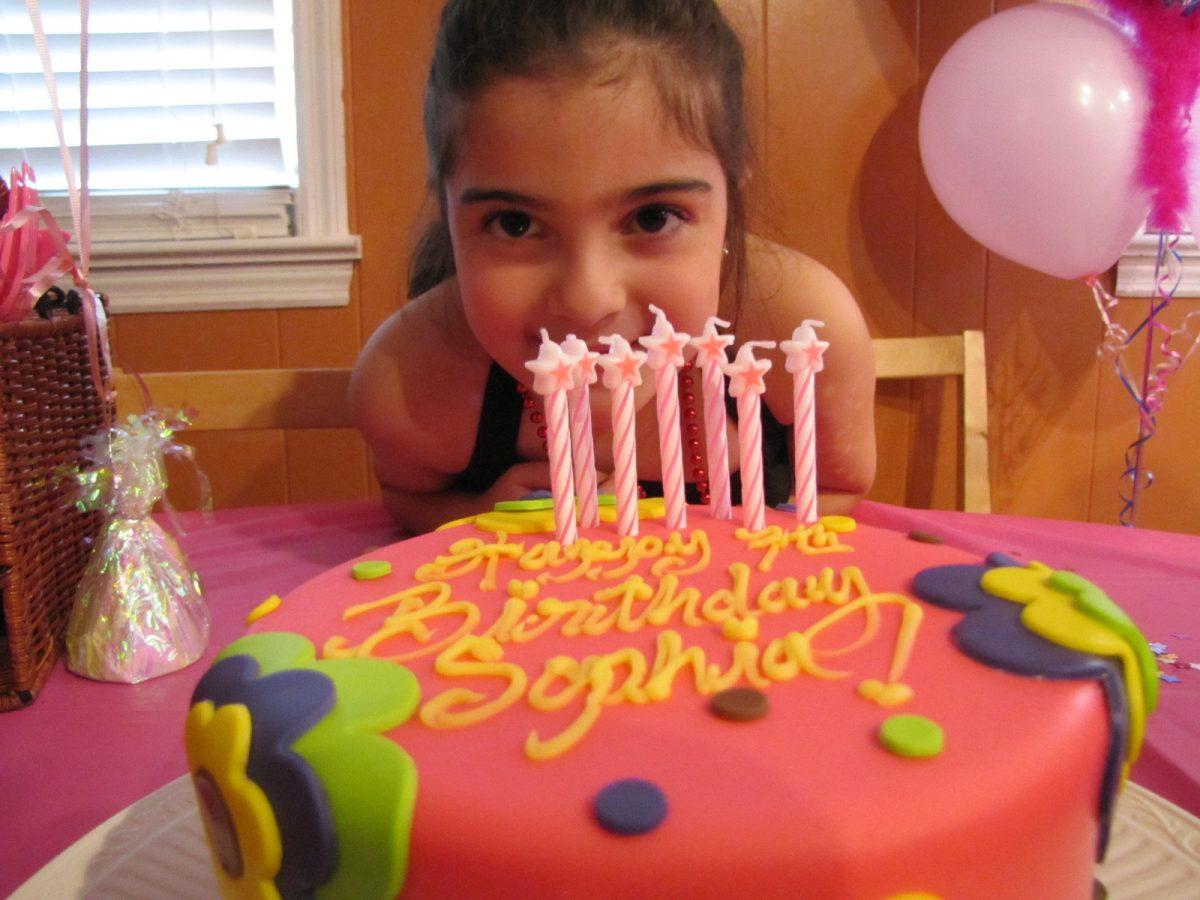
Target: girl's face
573	206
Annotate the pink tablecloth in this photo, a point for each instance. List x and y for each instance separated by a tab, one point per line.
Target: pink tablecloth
84	750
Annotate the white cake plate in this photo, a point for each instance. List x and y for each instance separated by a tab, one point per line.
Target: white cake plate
155	848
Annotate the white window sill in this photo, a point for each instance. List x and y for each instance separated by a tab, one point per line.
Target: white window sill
1135	271
191	276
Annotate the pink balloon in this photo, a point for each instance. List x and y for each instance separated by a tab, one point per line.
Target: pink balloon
1029	133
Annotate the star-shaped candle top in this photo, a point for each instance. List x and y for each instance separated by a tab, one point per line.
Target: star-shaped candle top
745	372
804	351
664	342
622	364
553	369
584	360
712	345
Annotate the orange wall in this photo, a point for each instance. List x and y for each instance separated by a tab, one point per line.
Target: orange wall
835	93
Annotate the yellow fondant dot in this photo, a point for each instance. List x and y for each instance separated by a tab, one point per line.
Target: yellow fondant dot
267	606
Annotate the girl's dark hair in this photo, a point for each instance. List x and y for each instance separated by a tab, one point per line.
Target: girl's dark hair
690	52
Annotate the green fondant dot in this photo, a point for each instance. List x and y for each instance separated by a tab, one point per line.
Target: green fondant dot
606	499
525	505
912	736
371	568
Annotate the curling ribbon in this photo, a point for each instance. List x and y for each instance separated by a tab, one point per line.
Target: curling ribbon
94	317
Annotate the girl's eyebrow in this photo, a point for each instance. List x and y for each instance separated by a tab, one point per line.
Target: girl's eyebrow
486	195
666	187
482	195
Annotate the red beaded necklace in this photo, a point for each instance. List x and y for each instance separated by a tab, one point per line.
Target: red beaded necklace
691	425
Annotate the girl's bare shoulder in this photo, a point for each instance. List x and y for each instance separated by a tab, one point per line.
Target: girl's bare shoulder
786	286
416	391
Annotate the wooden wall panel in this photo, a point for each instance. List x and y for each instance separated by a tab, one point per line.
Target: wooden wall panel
833	95
388	51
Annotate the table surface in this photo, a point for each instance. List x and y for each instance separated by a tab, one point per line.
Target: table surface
85	750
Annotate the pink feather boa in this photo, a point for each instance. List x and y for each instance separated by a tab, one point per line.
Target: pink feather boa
1167	47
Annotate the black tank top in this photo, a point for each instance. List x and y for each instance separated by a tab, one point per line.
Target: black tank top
495	449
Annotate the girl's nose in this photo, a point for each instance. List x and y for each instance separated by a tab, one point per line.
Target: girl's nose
588	292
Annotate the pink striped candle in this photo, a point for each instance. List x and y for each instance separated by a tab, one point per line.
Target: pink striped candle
804	360
621	375
711	358
552	379
746	384
583	446
665	346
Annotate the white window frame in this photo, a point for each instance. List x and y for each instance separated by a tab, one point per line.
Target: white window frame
311	268
1135	270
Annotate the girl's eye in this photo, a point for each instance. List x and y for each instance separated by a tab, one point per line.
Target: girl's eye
655	219
512	223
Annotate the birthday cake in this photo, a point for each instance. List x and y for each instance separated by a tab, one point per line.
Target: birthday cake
826	710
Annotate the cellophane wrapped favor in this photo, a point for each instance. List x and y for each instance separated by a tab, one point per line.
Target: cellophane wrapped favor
140	611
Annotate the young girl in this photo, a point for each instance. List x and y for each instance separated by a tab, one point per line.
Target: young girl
589	159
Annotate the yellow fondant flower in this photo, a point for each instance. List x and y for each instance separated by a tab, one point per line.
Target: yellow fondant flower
237	816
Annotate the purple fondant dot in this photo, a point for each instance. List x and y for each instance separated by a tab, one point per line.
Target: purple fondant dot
630	806
537	495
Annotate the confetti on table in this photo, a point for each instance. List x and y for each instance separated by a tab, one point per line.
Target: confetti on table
1169	679
1157	649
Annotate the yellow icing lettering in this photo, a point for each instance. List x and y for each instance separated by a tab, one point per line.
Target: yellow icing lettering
412	611
478	657
429	619
626	595
468	555
600	679
725	603
668	599
676	554
669	658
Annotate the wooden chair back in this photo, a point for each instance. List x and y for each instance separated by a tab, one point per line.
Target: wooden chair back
960	355
316	398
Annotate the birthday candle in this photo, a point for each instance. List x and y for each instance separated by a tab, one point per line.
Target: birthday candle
552	378
711	358
804	360
583	446
665	357
746	384
621	375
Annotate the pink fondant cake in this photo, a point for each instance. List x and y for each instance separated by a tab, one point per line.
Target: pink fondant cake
861	752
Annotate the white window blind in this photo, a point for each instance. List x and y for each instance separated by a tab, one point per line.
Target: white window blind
196	160
183	94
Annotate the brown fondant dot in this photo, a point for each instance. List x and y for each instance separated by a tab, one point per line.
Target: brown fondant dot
740	704
924	537
221	833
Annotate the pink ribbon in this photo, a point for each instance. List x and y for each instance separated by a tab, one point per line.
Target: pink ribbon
94	317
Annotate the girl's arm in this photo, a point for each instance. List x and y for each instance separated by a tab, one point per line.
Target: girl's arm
416	394
787	287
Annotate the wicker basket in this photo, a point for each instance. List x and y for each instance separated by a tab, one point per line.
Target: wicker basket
47	405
